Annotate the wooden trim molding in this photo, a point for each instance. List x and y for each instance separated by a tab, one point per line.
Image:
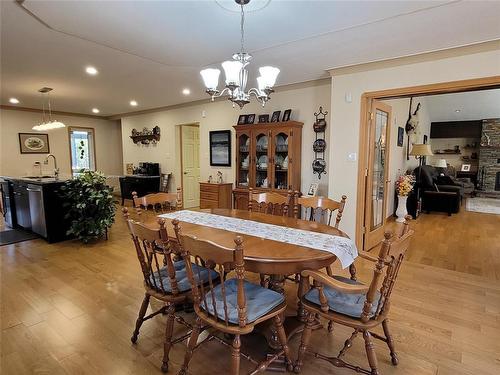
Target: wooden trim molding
92	130
366	103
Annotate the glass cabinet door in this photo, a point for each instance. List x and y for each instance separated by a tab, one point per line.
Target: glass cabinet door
261	160
244	160
281	160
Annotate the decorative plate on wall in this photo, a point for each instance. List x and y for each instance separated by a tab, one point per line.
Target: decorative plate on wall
319	145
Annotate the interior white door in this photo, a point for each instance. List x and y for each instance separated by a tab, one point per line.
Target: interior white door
191	165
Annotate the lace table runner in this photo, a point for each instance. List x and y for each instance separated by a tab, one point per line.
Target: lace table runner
343	248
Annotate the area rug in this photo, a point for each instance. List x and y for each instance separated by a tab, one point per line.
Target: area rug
484	205
15	235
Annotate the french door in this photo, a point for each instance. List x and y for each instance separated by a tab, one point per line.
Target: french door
377	182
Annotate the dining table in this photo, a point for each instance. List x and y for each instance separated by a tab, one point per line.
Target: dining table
267	249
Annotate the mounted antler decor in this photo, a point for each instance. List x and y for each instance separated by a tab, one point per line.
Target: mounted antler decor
319	145
411	125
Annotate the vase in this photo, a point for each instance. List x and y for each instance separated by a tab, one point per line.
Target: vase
401	212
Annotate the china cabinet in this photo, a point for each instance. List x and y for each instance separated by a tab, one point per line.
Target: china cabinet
268	157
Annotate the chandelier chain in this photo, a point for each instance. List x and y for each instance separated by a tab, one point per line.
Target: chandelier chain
242	23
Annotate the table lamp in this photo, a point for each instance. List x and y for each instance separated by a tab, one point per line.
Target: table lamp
420	151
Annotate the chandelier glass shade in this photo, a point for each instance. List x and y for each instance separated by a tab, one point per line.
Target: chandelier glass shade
47	122
236	76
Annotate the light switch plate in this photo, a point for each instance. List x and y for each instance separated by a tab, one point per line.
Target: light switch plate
352	156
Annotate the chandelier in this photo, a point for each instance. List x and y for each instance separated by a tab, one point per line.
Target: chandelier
237	75
47	122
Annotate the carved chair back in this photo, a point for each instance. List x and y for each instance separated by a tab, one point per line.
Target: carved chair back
159	202
222	260
385	273
269	202
155	255
316	207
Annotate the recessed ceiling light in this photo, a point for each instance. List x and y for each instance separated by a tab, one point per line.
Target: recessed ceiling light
91	70
186	91
13	101
457	110
95	110
133	103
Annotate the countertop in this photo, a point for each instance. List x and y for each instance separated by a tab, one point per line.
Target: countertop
36	181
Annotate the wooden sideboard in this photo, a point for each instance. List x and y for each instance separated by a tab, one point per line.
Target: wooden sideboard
141	184
268	158
215	195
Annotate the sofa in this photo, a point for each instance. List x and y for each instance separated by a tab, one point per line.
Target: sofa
439	192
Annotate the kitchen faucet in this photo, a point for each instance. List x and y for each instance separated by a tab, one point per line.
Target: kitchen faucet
56	170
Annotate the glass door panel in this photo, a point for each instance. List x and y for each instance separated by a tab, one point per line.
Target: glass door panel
377	174
243	160
280	160
261	160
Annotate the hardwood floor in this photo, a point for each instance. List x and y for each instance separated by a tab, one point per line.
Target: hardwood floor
70	309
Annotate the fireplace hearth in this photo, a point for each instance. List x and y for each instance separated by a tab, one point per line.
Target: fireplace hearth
489	156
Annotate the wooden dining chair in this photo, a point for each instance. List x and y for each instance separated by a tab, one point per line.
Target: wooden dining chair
315	208
164	278
158	202
356	305
269	202
234	306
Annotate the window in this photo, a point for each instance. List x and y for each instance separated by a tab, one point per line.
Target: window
82	148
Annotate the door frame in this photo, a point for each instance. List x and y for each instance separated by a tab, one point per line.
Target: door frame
367	98
181	161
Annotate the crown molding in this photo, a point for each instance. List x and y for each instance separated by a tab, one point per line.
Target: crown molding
470	49
61	113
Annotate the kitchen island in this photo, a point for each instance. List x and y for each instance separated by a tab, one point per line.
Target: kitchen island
35	204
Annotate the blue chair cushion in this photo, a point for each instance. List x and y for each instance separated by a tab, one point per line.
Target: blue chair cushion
343	303
260	301
181	276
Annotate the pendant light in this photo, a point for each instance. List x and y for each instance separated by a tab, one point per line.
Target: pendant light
47	123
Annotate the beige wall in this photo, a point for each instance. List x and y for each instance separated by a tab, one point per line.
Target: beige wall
303	99
397	157
13	163
346	115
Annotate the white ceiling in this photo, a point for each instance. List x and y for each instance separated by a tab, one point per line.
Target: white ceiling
149	51
474	105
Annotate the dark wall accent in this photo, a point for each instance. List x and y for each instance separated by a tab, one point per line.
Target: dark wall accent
456	129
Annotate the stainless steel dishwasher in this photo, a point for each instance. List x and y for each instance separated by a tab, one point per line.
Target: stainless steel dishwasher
37	210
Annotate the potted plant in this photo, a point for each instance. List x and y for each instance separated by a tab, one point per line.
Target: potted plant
404	186
90	205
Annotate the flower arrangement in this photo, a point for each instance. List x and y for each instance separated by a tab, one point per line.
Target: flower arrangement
404	185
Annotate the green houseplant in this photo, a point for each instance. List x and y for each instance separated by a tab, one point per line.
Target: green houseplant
90	205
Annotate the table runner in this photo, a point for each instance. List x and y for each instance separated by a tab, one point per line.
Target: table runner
343	248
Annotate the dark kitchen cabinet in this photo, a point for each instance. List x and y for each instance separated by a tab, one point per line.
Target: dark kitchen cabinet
22	204
141	184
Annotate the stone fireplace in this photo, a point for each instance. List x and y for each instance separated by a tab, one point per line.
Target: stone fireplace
489	156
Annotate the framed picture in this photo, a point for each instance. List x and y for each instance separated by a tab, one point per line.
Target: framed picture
286	115
313	190
250	119
242	119
34	143
401	134
465	168
220	148
263	119
276	116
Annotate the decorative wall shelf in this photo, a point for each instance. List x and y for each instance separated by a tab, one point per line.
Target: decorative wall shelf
151	138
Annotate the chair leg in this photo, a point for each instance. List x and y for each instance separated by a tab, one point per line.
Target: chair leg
283	341
140	318
390	342
193	339
330	326
306	336
370	353
348	344
168	336
235	354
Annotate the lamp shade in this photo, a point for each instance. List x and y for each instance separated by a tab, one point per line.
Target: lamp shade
421	150
210	78
441	163
232	71
269	75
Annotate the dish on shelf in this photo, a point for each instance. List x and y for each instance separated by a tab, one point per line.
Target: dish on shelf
281	140
284	165
279	161
262	142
